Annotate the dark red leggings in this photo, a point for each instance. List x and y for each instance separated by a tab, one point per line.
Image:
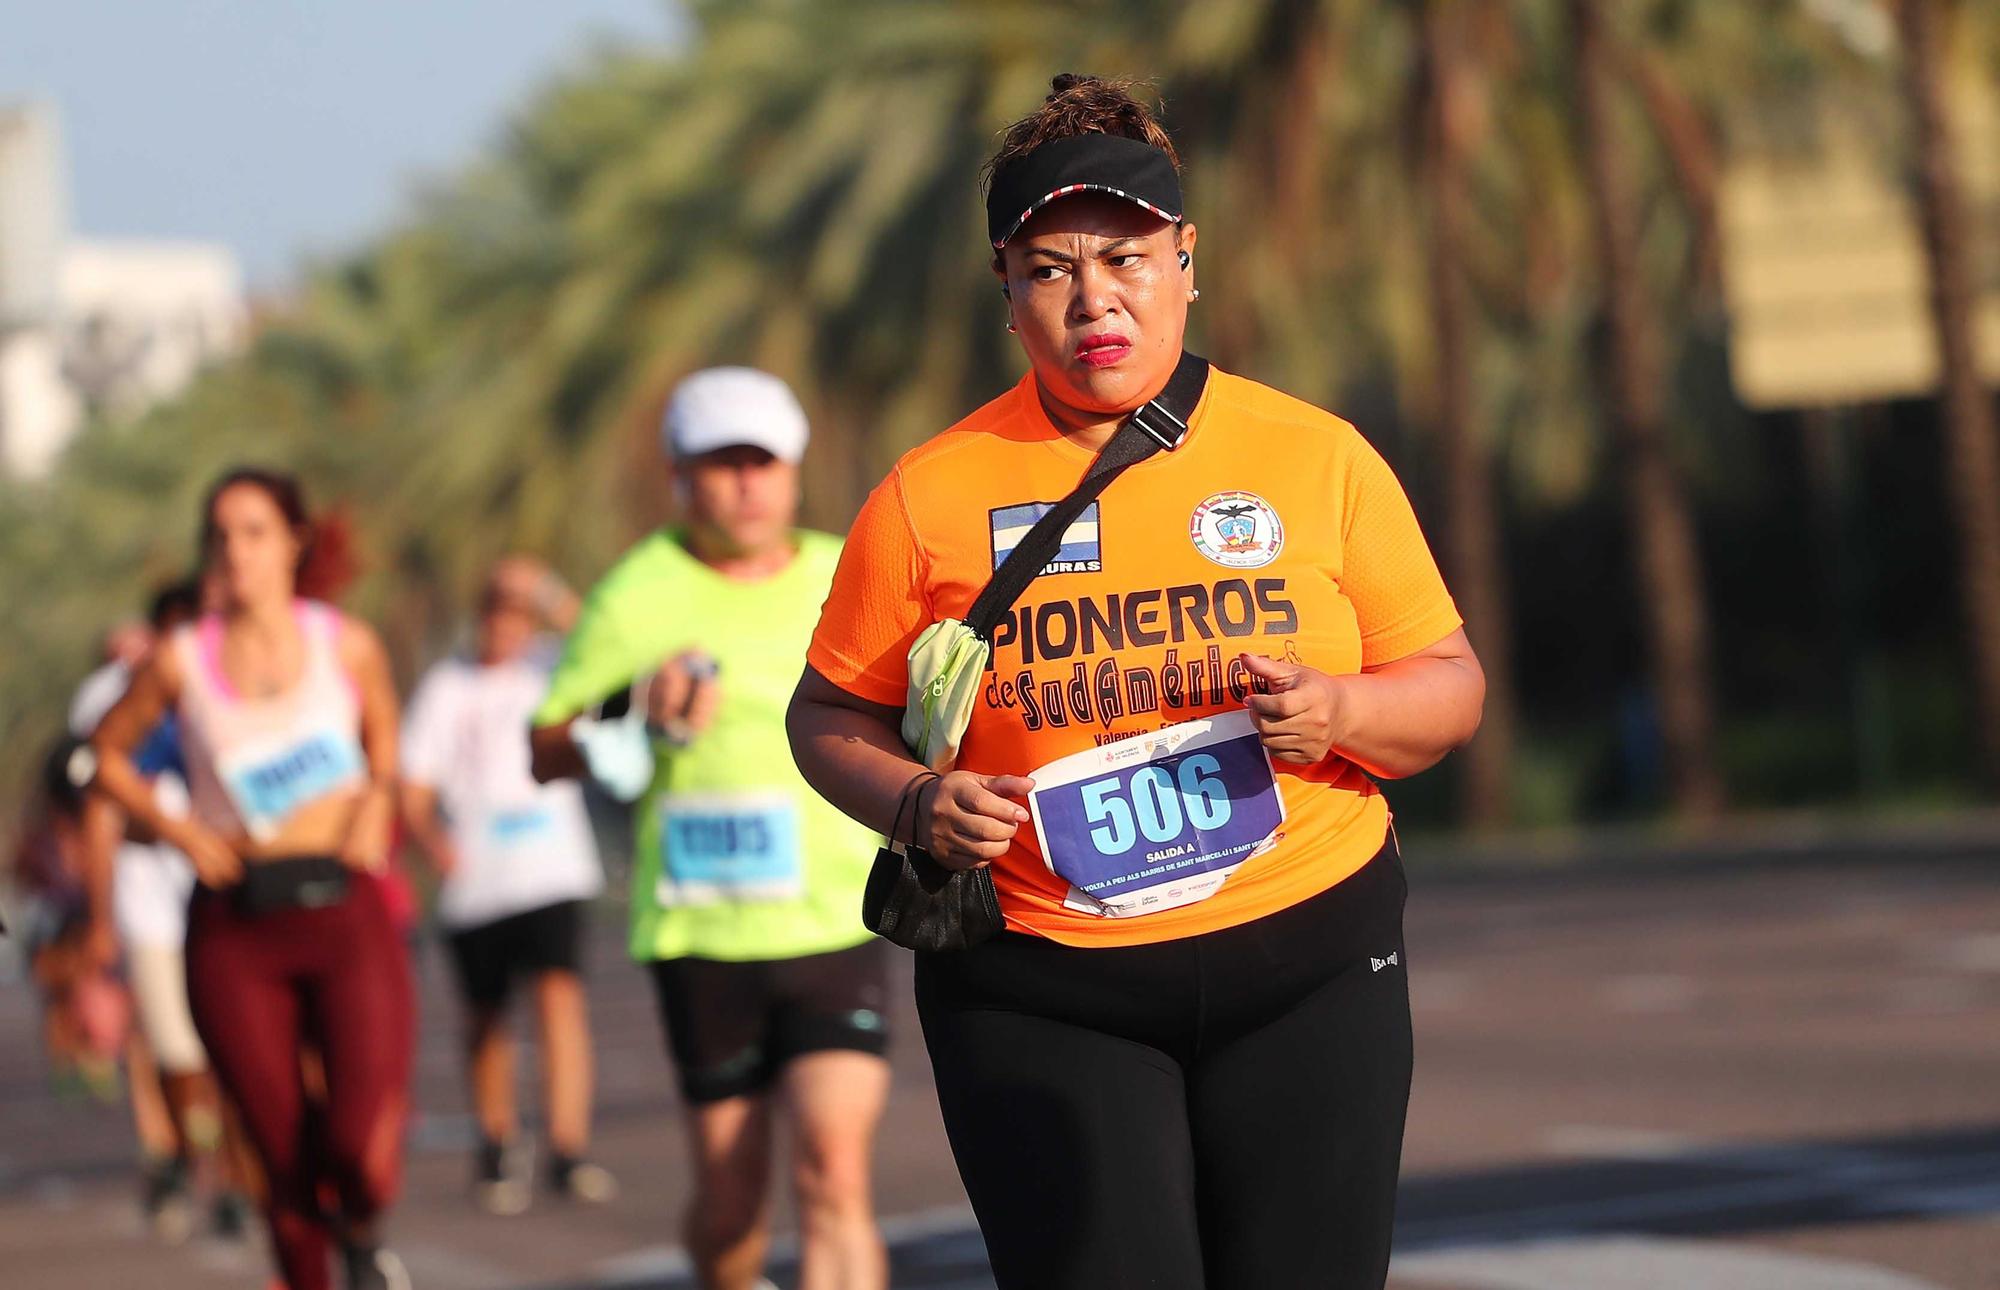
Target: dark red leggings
336	979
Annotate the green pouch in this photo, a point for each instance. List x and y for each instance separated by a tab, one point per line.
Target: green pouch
947	667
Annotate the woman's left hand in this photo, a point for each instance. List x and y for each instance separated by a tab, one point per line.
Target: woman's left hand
1297	709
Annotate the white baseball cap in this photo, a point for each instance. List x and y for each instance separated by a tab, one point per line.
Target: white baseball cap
720	407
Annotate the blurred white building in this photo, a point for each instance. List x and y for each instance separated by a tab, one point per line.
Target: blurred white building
92	326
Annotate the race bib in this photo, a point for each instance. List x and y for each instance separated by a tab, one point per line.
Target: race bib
519	826
271	779
741	847
1158	820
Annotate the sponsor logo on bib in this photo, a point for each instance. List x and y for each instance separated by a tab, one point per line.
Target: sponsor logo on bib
1237	530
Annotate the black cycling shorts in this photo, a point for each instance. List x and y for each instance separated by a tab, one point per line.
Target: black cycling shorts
732	1027
1220	1112
490	957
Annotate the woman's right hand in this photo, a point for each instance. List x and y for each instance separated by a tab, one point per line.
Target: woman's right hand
967	820
215	862
684	697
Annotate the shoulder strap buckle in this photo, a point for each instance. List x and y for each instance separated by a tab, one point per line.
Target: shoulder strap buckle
1160	425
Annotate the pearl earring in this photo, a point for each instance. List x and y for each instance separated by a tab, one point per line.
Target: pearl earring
1194	295
1010	329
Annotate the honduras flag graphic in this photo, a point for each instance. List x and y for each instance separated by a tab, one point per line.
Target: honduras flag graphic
1079	552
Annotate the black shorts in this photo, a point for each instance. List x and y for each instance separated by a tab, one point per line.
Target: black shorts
732	1027
489	958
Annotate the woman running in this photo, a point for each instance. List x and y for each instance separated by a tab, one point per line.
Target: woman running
287	720
1185	1062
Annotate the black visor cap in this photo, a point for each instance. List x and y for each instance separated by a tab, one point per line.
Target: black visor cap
1102	163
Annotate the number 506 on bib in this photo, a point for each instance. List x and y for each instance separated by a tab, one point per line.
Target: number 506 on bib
1136	825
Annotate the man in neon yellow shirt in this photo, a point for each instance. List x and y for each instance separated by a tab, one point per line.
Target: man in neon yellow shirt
746	885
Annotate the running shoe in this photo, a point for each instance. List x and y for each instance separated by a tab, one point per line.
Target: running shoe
229	1217
371	1267
100	1081
581	1180
168	1199
498	1184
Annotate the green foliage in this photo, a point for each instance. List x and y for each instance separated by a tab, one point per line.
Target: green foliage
795	187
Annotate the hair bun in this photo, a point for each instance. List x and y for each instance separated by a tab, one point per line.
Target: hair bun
1080	104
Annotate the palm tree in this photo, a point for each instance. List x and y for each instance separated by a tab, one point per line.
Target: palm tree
1472	531
1312	128
796	188
1656	503
1972	451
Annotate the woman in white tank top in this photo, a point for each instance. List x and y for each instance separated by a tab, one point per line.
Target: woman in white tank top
281	768
287	710
288	720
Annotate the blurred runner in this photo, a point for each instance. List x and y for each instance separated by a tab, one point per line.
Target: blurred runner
86	1013
746	885
287	720
139	889
519	868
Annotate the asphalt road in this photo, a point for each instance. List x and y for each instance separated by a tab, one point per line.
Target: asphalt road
1731	1076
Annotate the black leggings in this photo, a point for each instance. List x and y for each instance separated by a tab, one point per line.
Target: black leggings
1223	1112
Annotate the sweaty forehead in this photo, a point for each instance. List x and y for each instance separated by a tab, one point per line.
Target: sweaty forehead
1089	217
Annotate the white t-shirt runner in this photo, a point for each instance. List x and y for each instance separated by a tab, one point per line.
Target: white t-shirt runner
521	845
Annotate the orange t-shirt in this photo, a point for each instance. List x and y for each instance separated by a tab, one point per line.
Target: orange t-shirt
1274	528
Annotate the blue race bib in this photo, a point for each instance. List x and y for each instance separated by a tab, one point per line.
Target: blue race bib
717	847
510	828
269	782
1158	820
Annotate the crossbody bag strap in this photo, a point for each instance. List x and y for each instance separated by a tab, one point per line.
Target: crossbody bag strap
1159	423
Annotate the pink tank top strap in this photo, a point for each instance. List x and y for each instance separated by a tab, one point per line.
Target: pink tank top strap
206	664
